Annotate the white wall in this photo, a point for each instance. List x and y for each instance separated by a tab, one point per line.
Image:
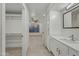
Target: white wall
0	29
56	25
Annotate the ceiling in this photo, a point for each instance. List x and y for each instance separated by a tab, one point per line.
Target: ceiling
13	7
58	6
37	10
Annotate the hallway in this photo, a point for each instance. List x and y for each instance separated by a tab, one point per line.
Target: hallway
36	47
39	29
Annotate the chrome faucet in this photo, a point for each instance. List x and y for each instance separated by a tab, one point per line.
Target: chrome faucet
72	37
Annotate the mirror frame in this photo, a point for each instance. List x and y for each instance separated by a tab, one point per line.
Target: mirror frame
63	19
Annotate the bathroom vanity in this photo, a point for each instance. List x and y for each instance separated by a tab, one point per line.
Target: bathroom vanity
62	46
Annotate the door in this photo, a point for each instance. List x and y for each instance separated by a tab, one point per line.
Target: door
62	49
72	52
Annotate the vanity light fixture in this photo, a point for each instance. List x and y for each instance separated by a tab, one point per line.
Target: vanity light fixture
70	5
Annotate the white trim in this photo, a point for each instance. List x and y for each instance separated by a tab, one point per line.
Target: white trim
25	18
23	39
3	29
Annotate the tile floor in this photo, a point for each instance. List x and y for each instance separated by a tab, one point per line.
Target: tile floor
36	47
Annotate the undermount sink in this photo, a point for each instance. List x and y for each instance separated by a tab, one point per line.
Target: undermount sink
71	41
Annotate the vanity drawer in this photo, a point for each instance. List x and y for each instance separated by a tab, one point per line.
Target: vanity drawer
62	49
58	48
72	52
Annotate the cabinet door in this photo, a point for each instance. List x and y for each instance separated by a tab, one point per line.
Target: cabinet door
54	46
72	52
62	49
58	48
50	43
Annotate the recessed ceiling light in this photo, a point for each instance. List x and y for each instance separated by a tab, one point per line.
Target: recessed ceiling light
70	5
43	14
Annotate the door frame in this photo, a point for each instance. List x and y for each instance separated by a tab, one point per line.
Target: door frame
25	39
3	30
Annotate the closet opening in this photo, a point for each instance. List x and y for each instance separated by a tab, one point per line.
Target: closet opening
14	29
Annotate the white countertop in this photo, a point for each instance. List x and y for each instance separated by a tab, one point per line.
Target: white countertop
73	46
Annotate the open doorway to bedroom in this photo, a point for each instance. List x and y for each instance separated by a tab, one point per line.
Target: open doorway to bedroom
34	26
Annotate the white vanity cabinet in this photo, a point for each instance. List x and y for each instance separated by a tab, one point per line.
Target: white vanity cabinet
58	48
73	52
53	46
62	49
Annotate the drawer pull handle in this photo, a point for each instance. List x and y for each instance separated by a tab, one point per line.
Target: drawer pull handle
74	55
57	49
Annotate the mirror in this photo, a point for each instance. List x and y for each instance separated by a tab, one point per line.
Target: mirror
71	18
